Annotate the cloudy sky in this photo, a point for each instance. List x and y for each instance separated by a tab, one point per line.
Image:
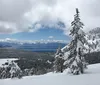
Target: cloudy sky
23	19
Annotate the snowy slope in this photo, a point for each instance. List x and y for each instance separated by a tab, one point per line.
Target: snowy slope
91	77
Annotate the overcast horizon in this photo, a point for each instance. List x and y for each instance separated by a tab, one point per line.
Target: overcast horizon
38	19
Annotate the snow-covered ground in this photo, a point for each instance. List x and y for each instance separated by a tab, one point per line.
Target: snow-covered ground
2	61
91	77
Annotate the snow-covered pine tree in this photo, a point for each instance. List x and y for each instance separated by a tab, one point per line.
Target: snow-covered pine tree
15	70
75	58
58	63
95	43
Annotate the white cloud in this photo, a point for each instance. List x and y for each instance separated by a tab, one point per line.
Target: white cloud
51	37
18	15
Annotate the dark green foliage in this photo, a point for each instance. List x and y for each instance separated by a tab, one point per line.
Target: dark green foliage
36	64
15	53
93	57
58	63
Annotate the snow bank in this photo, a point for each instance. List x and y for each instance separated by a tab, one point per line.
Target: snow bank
91	77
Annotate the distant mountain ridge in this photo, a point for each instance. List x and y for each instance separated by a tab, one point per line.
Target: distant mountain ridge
37	46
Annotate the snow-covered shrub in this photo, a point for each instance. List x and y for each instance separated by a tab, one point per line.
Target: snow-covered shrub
15	71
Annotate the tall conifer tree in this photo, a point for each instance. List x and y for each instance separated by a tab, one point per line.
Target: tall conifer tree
75	60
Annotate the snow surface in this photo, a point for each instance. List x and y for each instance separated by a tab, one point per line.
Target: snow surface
2	61
91	77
